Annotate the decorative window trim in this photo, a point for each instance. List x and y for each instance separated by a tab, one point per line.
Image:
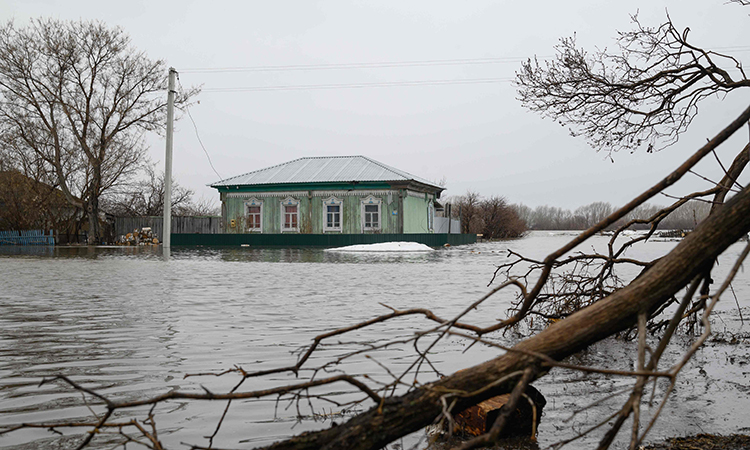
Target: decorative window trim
422	195
369	201
270	194
289	201
333	201
329	193
254	202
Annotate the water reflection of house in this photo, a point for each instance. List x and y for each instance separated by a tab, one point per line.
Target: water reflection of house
329	195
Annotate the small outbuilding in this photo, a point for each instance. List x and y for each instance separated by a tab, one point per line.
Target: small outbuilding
328	195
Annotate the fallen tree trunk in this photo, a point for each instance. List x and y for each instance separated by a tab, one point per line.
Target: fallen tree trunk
413	411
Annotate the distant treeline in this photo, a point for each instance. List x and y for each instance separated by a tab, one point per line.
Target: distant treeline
495	218
686	217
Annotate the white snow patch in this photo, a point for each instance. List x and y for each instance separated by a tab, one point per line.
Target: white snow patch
384	247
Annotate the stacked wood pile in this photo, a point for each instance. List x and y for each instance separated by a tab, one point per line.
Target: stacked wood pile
142	236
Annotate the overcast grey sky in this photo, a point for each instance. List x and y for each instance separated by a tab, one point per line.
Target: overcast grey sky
476	136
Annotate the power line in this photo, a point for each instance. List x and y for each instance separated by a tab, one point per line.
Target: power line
359	85
365	65
370	65
393	64
187	108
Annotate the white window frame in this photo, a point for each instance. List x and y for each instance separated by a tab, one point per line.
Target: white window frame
289	201
369	201
333	201
254	202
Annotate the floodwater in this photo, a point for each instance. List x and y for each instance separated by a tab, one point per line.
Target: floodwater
130	325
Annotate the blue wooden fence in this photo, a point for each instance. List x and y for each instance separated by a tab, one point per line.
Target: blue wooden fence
27	237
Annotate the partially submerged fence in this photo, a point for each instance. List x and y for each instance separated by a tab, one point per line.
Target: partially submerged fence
26	237
180	224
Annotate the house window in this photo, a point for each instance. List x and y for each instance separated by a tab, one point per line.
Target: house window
332	210
371	214
289	214
254	215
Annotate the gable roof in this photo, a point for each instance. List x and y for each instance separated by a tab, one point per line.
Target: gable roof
324	169
13	182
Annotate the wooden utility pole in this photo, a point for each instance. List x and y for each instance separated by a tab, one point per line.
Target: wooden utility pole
167	211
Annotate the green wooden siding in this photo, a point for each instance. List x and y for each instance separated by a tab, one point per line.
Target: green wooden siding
401	211
415	215
350	215
312	213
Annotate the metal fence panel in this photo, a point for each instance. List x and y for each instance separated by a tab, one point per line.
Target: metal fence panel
27	237
180	224
442	225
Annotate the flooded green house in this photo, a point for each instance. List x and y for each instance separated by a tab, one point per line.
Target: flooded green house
328	195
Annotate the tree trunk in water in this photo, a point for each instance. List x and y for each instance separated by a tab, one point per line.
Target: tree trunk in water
92	210
92	206
413	411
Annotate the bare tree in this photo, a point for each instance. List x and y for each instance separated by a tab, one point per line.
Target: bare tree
645	94
582	289
468	205
392	416
593	213
78	97
687	216
399	407
547	217
493	217
146	197
524	213
501	221
200	207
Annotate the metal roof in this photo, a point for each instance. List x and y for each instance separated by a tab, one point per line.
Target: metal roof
323	169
